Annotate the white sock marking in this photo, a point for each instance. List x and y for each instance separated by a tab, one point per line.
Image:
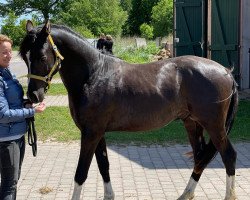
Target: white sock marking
189	190
77	191
108	191
230	190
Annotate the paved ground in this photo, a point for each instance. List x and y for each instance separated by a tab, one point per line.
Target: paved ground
137	172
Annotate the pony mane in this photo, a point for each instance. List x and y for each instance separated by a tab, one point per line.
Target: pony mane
69	30
30	38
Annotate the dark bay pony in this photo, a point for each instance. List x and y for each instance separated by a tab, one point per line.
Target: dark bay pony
108	94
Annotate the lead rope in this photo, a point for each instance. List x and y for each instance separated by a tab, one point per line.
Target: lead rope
32	138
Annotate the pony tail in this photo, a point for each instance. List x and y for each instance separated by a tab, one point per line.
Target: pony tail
233	107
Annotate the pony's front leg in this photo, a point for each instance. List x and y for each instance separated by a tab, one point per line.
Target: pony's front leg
103	165
89	141
189	190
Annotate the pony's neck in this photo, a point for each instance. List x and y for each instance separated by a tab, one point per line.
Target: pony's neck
76	50
81	60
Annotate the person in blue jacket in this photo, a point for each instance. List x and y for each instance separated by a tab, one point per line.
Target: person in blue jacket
13	125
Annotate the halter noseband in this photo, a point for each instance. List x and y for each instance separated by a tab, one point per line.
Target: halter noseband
59	58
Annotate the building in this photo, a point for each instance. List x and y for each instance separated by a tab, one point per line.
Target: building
215	29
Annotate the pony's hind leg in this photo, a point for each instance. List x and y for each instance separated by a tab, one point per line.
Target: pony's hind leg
228	155
103	165
202	155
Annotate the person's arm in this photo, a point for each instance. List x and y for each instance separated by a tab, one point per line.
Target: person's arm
12	115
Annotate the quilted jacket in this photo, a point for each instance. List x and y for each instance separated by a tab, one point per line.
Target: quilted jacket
12	113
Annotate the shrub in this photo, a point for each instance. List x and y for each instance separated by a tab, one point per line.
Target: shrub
147	31
132	54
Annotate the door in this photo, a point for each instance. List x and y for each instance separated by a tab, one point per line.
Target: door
190	27
223	36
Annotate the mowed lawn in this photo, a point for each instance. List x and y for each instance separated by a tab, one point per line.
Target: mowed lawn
56	124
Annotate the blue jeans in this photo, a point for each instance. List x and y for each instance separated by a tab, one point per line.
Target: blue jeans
11	158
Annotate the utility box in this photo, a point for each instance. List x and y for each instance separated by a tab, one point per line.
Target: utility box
215	29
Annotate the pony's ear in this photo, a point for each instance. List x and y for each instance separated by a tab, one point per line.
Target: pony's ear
29	26
46	28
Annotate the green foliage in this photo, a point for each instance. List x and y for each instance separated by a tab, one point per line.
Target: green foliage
92	17
96	16
15	32
162	18
133	54
146	31
84	31
46	8
139	14
126	5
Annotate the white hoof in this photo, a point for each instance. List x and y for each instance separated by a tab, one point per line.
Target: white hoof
186	196
231	195
77	192
230	189
108	198
108	191
189	190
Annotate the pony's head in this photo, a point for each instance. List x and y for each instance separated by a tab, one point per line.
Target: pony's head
42	59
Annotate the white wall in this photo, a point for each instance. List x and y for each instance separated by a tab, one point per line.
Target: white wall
245	44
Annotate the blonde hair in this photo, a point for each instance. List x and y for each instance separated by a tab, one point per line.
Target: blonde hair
108	37
5	38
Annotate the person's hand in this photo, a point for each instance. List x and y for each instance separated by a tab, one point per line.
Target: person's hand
40	107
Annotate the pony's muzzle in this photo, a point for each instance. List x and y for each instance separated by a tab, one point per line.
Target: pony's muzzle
36	96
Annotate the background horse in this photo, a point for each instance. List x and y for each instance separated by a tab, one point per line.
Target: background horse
108	94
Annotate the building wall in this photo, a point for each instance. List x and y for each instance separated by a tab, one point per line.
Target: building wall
245	44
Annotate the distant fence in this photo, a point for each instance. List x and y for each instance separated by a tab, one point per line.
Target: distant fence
93	41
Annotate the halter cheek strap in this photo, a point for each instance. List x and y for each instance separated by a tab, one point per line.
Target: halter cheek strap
55	48
59	58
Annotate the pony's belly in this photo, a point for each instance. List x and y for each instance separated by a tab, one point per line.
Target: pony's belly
144	124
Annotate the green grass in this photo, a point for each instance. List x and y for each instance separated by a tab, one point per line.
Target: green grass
241	128
56	124
55	89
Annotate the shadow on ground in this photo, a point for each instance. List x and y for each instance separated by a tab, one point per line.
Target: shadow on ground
174	156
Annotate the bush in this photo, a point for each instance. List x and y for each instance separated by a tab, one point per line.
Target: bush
82	30
162	18
147	31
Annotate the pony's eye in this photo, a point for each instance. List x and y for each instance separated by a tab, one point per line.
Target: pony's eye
43	59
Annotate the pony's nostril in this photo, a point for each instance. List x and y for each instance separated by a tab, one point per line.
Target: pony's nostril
33	97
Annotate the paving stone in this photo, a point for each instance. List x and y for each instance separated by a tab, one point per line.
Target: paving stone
131	178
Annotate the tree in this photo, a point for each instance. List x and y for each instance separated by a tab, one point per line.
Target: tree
45	8
97	16
162	18
15	32
126	5
139	14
